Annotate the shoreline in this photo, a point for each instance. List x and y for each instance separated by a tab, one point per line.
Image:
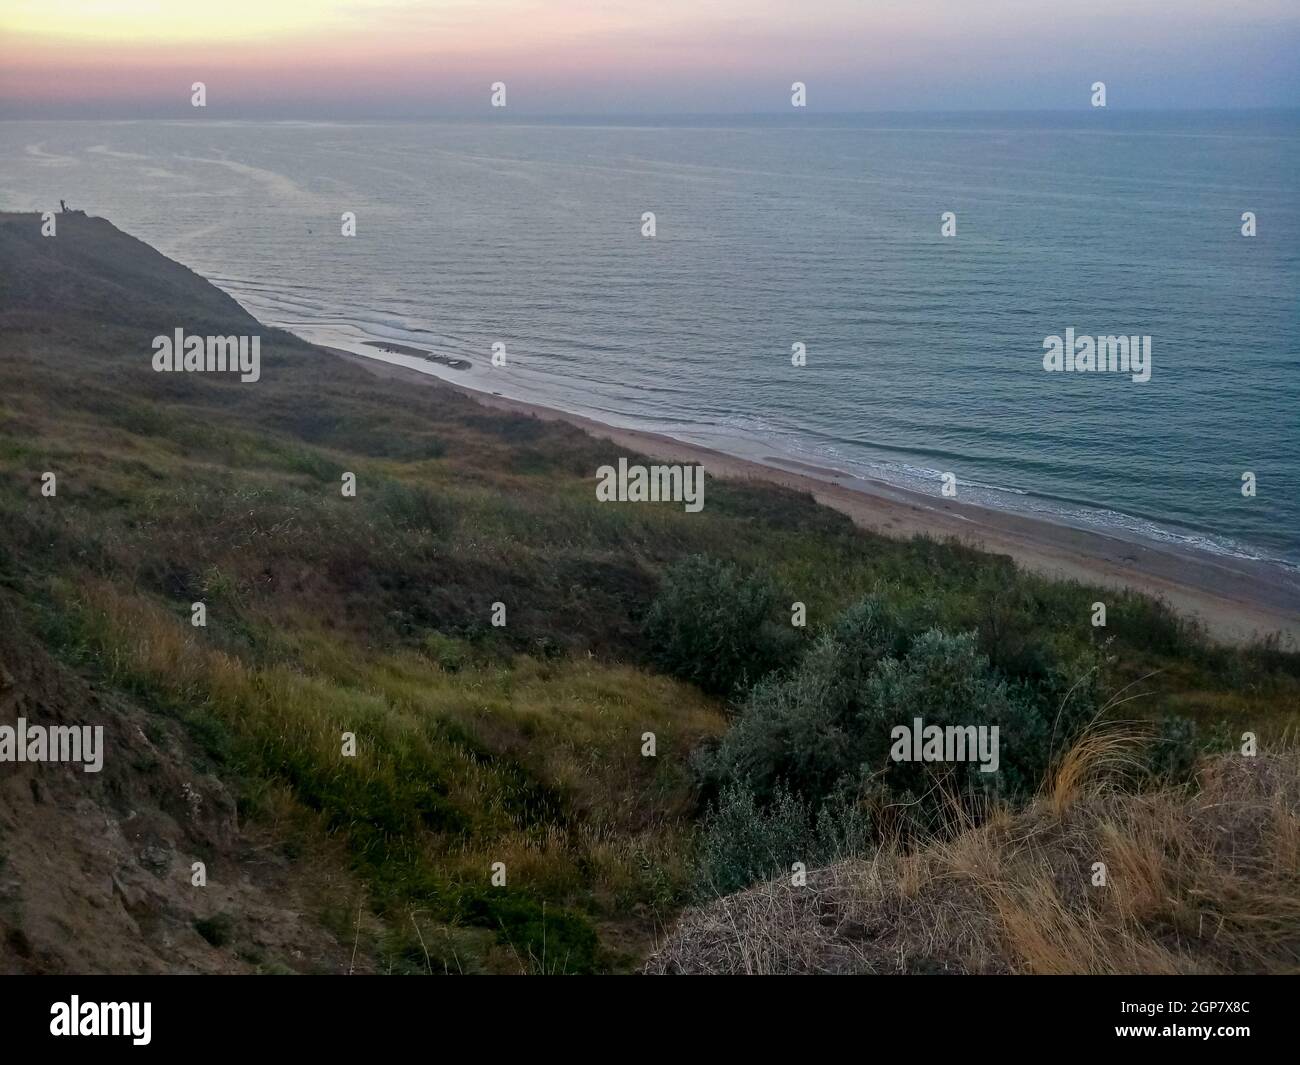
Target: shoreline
1236	600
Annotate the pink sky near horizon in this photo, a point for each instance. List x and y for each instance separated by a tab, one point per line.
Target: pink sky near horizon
585	56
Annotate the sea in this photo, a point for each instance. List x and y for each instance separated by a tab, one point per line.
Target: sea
867	294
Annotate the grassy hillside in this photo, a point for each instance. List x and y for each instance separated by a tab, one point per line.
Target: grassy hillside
476	744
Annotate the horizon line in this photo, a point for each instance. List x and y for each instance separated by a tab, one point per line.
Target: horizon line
496	116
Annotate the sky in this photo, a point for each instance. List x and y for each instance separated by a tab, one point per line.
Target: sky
344	59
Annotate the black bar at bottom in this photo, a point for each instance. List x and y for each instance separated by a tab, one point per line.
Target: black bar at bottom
337	1014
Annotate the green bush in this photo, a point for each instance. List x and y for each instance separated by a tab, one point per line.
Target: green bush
797	728
745	842
717	628
944	680
826	726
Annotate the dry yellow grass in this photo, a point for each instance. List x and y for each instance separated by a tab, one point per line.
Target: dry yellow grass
1204	879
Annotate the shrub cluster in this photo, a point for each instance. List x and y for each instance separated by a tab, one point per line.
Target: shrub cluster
810	748
744	841
717	627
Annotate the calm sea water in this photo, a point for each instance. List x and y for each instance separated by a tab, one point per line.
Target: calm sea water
924	352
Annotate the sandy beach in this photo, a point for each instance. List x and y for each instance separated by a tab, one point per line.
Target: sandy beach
1237	600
